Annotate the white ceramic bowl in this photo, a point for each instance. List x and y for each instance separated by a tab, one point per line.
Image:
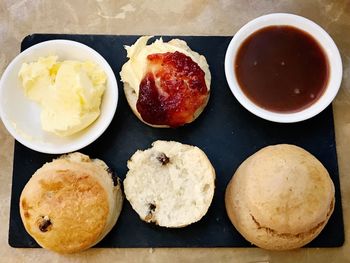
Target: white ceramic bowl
326	42
21	116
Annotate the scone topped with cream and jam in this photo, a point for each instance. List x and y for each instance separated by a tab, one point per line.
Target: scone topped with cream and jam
166	83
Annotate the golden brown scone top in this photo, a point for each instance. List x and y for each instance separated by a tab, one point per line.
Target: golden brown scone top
292	183
280	197
63	206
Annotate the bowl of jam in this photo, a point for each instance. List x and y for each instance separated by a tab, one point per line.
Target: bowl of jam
283	67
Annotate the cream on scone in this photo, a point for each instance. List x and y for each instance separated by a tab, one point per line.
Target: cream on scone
170	184
166	83
71	203
280	198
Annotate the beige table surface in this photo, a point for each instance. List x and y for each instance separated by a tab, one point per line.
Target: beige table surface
197	17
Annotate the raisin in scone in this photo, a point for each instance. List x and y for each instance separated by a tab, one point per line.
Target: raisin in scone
166	83
170	184
71	203
280	198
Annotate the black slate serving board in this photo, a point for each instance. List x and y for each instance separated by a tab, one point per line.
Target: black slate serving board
225	131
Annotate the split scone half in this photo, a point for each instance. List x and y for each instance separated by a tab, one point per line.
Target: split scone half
280	198
170	184
71	203
165	83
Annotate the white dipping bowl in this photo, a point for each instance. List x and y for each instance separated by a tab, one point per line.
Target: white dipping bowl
21	116
306	25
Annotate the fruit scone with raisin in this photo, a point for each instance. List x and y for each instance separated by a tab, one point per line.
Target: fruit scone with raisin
170	184
166	83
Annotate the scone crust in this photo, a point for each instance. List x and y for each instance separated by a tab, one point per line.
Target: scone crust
78	197
280	198
161	193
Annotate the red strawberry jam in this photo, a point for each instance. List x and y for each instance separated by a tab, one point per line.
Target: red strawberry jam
172	90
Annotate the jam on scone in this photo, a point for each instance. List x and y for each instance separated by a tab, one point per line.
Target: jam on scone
172	90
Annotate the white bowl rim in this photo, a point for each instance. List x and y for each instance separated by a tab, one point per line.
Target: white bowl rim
74	146
302	23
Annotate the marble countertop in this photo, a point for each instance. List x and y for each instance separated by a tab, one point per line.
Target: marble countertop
19	18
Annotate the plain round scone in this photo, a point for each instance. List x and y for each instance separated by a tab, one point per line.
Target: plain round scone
170	184
71	203
280	198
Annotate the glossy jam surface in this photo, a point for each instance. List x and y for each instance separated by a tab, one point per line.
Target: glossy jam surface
172	90
282	69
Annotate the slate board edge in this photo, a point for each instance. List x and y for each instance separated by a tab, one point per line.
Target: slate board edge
63	36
